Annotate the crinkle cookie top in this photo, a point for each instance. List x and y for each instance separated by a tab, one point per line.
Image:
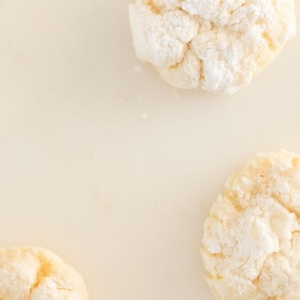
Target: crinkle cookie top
38	274
251	242
217	45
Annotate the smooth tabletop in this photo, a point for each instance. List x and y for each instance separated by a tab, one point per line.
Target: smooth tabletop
107	165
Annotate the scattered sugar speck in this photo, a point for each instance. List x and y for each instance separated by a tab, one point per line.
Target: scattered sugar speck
138	69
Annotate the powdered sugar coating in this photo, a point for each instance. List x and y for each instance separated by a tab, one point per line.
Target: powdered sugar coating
212	44
251	242
38	274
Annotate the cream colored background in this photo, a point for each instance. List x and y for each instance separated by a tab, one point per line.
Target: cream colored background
108	166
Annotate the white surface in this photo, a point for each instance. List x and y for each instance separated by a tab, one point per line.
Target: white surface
108	166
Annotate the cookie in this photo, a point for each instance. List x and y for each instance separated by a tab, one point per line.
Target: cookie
218	46
251	241
38	274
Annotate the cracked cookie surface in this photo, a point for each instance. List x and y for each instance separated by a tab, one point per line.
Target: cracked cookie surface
216	45
37	274
251	241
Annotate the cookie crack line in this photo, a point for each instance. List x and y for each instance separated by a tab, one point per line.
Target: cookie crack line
42	273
